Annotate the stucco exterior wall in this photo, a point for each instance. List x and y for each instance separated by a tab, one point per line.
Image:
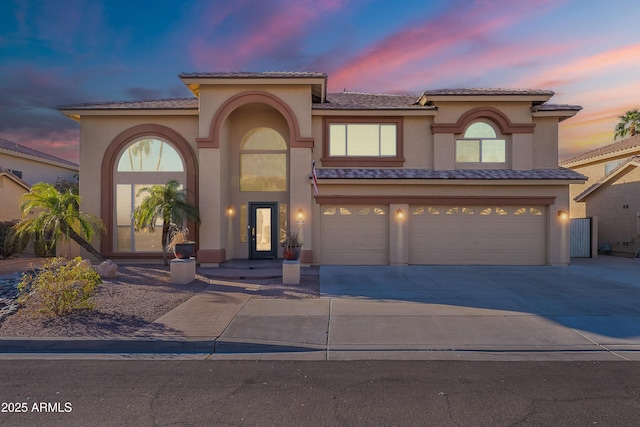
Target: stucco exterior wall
35	171
617	206
10	193
450	112
545	143
98	133
213	97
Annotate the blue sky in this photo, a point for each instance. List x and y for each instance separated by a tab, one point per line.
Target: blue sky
54	53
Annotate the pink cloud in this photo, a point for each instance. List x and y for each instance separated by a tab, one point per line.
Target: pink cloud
588	67
425	45
62	144
282	23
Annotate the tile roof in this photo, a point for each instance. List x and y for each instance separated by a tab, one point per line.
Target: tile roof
493	174
254	75
148	104
12	147
621	146
635	161
556	107
370	101
486	91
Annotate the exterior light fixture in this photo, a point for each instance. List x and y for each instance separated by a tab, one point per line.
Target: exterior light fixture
229	210
563	215
400	214
300	215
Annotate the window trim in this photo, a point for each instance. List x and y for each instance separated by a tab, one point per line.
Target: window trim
363	161
107	186
480	164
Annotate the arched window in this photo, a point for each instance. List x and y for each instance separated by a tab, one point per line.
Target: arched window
263	161
150	155
480	144
142	163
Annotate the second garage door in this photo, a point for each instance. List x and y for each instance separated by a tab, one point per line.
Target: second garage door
477	235
354	235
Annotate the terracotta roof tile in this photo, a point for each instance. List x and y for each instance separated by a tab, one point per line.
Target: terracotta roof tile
556	107
148	104
486	91
254	75
370	101
493	174
620	146
6	145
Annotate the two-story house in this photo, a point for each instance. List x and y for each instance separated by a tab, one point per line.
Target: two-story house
465	176
611	194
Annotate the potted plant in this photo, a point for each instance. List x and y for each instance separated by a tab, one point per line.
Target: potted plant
292	245
179	243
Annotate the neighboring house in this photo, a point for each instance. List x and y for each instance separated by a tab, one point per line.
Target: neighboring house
20	168
11	188
612	193
466	176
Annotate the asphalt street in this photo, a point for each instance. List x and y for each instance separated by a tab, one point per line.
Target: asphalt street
311	393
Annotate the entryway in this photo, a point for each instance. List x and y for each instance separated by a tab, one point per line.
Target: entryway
263	230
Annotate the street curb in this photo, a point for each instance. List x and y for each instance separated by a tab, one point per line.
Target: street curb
107	345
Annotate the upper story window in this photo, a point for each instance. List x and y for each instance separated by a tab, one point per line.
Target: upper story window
481	144
360	141
609	166
263	161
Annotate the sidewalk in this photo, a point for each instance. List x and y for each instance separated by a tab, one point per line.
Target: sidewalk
586	311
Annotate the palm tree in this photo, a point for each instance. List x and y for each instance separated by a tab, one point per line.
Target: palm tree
57	216
168	202
628	124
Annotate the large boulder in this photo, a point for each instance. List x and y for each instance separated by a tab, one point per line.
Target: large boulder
107	269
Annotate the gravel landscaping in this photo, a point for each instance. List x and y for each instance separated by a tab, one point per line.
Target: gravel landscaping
138	296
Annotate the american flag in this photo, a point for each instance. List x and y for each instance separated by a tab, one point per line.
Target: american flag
315	179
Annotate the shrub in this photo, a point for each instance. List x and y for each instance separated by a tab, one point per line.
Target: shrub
60	287
10	245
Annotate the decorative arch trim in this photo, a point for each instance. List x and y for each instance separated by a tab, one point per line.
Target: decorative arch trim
107	174
259	97
496	116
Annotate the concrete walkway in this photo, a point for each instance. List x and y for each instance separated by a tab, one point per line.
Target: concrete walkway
586	311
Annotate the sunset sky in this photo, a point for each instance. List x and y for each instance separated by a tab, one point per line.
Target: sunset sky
64	52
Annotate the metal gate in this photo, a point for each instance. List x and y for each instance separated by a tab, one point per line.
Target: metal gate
581	237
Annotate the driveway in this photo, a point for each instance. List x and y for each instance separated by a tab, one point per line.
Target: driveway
587	311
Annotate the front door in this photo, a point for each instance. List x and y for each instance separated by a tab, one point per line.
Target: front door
263	230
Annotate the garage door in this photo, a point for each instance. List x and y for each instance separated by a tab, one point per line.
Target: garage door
477	235
354	235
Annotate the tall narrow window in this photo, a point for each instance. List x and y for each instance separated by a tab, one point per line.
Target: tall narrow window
143	163
263	161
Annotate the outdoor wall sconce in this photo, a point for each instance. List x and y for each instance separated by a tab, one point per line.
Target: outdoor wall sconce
229	210
300	215
563	215
399	214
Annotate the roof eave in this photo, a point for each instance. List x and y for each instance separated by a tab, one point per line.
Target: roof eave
614	173
73	166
